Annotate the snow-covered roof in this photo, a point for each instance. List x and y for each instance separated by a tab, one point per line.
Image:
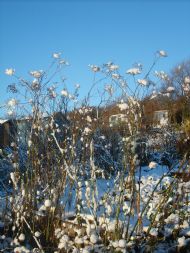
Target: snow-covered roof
161	111
2	121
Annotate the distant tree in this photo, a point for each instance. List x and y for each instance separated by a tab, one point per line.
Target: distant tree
177	87
179	78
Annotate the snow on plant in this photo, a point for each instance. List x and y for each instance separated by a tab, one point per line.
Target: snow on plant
133	71
162	53
71	152
170	89
10	72
152	165
12	102
142	82
161	75
186	84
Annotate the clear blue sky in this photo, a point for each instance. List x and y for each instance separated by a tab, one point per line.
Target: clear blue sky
91	32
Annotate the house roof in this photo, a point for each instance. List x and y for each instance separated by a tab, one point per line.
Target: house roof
2	121
161	111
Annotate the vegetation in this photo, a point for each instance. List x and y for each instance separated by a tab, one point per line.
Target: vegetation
79	184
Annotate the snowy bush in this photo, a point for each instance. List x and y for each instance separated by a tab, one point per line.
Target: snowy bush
80	185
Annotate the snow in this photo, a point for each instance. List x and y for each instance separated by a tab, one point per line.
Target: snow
2	121
106	197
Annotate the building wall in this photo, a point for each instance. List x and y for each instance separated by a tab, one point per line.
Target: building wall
7	133
161	118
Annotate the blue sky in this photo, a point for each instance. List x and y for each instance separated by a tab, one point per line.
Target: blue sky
90	32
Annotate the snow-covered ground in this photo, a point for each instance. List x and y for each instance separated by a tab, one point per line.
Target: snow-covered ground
97	203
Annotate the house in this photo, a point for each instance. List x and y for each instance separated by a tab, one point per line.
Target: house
160	118
7	130
117	119
10	128
163	111
155	114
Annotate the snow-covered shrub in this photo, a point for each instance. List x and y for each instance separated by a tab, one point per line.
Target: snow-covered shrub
79	182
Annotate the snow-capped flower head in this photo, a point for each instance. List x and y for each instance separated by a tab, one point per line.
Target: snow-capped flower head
87	130
56	55
187	80
162	75
88	118
94	68
113	67
12	102
64	93
170	89
142	82
21	237
10	72
152	165
162	53
115	76
133	71
35	84
36	73
123	106
47	203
